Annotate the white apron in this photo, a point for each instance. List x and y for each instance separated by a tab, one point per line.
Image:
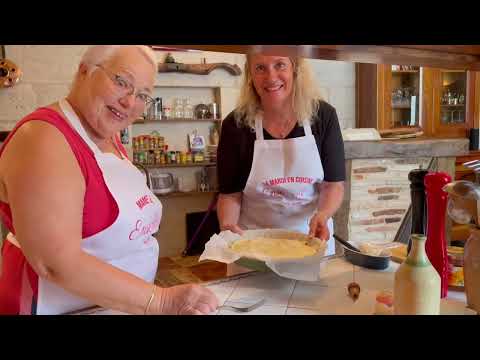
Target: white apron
282	188
127	244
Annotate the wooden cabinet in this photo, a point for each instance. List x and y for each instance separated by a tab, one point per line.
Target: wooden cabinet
441	102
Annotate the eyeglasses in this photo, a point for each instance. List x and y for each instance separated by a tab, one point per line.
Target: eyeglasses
123	87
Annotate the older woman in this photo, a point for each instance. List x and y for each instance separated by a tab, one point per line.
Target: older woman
80	215
281	157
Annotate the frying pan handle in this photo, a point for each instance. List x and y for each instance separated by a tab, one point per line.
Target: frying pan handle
345	243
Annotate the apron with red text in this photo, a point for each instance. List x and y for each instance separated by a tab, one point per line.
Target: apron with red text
127	244
282	188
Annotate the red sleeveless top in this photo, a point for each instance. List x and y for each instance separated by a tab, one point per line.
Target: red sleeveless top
99	212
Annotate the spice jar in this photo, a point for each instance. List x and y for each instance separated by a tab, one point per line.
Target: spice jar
167	112
189	157
163	158
183	157
198	157
153	142
135	143
455	260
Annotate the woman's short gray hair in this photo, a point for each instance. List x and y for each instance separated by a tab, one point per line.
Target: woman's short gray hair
99	54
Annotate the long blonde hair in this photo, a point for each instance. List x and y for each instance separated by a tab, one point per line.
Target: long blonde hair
305	96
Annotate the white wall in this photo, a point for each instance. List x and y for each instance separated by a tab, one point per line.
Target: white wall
48	71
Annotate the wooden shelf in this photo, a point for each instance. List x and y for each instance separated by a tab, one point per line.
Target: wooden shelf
405	71
173	120
401	106
453	71
205	163
458	105
177	194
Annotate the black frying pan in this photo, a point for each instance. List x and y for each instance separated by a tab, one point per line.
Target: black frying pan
354	256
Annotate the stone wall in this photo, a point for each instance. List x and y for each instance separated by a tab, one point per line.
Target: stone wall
379	197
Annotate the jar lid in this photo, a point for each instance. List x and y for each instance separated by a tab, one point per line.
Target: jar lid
455	250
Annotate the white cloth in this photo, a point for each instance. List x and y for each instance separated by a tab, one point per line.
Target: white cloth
128	243
282	188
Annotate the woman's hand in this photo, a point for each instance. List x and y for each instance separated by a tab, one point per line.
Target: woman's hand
318	227
233	228
187	300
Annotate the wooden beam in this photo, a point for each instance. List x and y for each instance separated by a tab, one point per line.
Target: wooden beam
440	56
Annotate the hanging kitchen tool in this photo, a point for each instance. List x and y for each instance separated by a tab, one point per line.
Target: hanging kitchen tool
199	69
9	72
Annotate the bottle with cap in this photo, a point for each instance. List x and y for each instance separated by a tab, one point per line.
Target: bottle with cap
158	108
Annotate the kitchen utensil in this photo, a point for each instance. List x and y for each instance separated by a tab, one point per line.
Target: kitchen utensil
358	258
201	111
436	243
242	309
345	243
85	311
9	72
162	183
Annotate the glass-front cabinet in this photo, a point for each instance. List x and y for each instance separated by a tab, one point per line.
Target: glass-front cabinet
431	101
452	100
405	96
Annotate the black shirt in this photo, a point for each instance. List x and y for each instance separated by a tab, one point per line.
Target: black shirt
235	149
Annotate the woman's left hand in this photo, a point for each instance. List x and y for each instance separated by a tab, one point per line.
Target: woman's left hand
318	227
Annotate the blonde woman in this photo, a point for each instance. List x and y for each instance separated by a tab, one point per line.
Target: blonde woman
80	215
281	157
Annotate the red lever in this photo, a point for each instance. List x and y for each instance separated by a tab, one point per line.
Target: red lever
436	245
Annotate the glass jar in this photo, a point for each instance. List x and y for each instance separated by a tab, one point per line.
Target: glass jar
183	156
179	110
187	109
167	112
198	157
153	143
455	260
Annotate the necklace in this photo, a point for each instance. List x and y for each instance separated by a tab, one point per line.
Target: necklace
283	131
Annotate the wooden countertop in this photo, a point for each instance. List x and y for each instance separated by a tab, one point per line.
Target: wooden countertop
418	147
